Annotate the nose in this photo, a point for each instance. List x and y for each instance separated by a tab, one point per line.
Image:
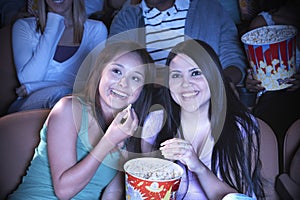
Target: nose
123	81
185	82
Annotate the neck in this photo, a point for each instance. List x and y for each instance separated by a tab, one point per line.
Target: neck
196	123
68	16
68	20
199	115
108	112
161	6
196	127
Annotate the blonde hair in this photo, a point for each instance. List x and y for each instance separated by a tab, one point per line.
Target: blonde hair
79	17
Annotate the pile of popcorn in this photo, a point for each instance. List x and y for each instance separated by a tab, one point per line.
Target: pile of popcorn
269	34
153	170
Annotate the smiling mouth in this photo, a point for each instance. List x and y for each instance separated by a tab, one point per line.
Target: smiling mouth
190	94
119	94
58	1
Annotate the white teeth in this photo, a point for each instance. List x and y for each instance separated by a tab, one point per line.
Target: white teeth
189	94
121	94
58	1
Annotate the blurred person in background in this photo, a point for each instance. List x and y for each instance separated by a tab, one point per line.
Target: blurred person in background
48	50
165	23
280	108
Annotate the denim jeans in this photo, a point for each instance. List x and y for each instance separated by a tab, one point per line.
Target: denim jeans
43	98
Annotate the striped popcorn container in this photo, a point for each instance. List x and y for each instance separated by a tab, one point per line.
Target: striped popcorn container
271	52
151	178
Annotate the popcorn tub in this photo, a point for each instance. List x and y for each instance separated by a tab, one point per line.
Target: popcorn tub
151	178
271	51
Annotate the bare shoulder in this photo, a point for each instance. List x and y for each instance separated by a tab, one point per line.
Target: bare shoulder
65	110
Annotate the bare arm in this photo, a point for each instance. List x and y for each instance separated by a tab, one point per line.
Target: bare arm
69	175
115	190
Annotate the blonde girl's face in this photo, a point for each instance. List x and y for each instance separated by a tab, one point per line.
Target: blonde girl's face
121	82
189	87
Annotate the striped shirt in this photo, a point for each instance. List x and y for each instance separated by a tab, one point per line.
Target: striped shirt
164	29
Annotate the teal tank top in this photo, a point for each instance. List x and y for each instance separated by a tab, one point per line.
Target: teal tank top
37	183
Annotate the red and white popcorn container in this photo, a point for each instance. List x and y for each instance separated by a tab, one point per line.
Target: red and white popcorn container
151	178
271	52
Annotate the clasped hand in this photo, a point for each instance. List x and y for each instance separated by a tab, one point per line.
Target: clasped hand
182	150
123	126
21	91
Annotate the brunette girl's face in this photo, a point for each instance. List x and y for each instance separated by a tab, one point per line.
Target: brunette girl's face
121	82
189	88
59	6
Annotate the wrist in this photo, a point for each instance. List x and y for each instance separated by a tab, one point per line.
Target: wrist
103	147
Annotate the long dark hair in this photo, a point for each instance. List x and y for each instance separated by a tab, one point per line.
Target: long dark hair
235	131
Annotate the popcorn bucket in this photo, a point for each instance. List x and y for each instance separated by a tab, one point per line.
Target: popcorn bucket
151	178
271	51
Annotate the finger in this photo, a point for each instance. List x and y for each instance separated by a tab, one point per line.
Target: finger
131	117
170	141
175	152
176	144
296	76
294	87
253	81
20	92
128	109
24	92
172	156
122	116
249	76
135	122
294	81
254	85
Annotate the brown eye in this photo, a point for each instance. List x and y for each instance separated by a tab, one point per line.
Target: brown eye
196	73
116	71
136	79
176	75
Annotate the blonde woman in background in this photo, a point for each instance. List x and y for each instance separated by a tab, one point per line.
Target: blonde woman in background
49	49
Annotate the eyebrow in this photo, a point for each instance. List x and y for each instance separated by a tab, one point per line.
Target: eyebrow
120	65
196	68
